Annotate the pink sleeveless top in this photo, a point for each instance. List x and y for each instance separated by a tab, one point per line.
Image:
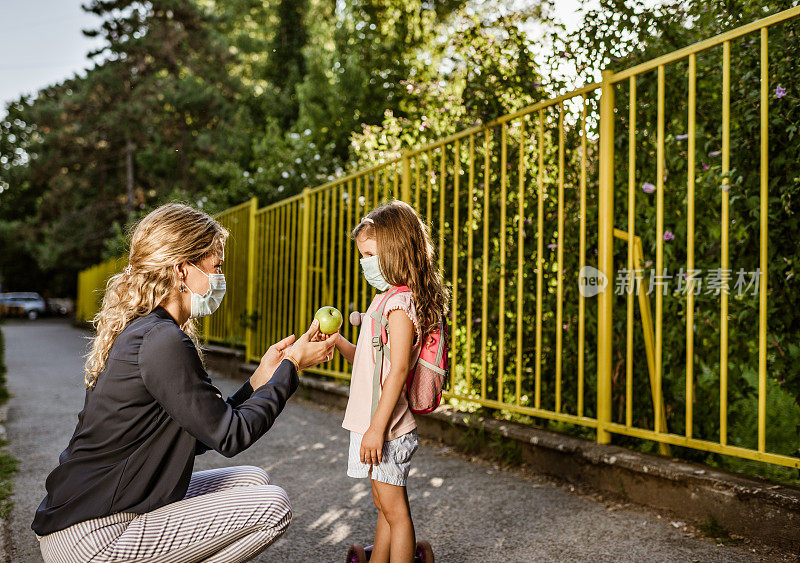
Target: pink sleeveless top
357	415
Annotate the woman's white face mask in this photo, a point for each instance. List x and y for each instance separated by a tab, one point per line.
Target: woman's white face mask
205	304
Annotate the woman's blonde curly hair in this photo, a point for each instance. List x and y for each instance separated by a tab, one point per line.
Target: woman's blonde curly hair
171	234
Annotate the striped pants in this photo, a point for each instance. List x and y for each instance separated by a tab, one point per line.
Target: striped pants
228	515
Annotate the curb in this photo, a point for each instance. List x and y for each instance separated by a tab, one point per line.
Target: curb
755	509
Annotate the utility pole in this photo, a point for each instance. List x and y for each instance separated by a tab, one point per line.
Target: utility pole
129	174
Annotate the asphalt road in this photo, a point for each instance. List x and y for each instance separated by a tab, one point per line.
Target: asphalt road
469	511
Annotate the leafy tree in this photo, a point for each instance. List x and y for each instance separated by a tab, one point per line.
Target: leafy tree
287	62
149	122
619	34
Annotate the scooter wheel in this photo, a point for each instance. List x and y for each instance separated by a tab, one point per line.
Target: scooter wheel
356	554
424	552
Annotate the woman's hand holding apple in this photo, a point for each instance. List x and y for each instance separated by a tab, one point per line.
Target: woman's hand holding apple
310	350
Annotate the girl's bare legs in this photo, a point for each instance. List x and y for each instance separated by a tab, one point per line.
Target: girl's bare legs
382	543
392	502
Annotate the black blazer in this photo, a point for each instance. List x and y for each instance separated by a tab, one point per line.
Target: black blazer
152	410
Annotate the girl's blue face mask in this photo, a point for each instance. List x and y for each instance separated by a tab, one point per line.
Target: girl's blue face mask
371	268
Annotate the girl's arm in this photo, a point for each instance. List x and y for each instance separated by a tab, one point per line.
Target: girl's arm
401	338
346	348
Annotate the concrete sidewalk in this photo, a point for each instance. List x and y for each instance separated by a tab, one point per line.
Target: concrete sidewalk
470	512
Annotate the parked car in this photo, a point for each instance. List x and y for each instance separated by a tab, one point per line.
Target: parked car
27	304
60	306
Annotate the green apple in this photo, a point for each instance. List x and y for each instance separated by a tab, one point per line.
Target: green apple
330	319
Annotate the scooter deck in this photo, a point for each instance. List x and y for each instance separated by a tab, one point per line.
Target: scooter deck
360	554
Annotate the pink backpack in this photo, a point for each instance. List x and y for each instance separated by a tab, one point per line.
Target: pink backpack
427	376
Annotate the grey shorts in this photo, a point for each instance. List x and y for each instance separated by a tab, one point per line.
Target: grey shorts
395	462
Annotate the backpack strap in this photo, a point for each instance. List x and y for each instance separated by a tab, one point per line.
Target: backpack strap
380	342
440	351
379	346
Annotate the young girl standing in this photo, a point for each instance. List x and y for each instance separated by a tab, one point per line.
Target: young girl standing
395	251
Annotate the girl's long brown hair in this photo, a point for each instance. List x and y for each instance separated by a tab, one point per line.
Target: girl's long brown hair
171	234
407	257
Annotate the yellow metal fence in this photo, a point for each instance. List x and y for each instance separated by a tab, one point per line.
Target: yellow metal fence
228	325
518	208
92	283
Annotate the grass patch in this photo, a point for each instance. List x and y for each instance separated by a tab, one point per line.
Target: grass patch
621	488
8	468
4	395
474	440
9	465
714	529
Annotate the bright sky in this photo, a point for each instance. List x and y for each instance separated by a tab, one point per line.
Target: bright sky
567	12
42	42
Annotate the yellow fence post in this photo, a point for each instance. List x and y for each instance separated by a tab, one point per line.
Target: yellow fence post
251	278
605	257
405	195
304	257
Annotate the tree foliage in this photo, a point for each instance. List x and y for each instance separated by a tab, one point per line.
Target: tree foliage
620	34
205	101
